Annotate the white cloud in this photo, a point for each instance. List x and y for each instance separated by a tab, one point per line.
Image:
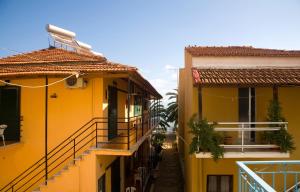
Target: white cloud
164	86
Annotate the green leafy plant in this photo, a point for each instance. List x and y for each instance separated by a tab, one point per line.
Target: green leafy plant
172	109
282	137
157	107
284	140
205	139
157	141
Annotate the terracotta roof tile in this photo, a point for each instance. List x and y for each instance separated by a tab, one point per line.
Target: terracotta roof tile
255	77
240	51
55	61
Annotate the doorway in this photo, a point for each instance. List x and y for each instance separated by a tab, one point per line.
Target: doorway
112	112
247	110
115	176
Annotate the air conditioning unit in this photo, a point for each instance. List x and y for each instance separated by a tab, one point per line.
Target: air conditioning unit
73	83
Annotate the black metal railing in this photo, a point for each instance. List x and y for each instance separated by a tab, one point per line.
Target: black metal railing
92	134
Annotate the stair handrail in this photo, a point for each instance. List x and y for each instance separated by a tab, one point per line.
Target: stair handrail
17	178
58	148
292	187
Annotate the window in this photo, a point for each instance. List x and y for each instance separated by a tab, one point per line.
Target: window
10	112
101	184
219	183
137	106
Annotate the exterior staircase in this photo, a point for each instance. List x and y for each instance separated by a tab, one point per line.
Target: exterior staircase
61	159
71	154
68	173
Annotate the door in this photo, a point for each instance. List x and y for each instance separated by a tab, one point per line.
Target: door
115	176
101	184
10	112
219	183
112	112
247	110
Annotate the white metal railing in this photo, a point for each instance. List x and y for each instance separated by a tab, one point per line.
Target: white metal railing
243	140
275	176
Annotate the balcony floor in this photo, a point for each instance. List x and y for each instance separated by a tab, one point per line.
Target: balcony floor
249	153
111	148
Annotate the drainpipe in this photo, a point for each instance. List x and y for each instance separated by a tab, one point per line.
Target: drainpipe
46	130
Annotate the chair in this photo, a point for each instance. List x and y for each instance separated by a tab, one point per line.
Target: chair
139	176
2	128
130	189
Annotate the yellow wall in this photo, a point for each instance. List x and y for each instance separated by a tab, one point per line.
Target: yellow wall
190	100
220	104
181	122
69	111
290	103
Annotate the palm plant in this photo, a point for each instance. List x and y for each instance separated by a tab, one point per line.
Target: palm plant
205	138
172	109
157	107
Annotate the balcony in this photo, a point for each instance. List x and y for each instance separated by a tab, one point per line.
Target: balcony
246	140
130	134
269	176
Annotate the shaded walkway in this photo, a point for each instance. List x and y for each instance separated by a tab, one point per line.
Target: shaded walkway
170	177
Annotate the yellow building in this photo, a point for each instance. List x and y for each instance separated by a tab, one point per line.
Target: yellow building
75	122
233	87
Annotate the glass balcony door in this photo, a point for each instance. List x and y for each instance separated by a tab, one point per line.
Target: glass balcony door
246	104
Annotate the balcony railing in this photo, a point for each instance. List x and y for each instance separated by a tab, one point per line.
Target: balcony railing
94	134
248	136
269	176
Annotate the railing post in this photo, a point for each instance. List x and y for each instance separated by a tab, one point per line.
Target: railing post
157	104
74	151
284	176
240	180
136	132
243	126
142	115
96	134
128	113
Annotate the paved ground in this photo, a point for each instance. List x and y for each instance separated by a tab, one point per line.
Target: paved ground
170	177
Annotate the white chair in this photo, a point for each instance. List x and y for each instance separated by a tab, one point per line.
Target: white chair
130	189
139	176
2	128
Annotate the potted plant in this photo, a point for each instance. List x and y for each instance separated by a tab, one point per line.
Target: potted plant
282	137
228	140
157	141
205	139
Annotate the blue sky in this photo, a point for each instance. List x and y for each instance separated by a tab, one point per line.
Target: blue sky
151	35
